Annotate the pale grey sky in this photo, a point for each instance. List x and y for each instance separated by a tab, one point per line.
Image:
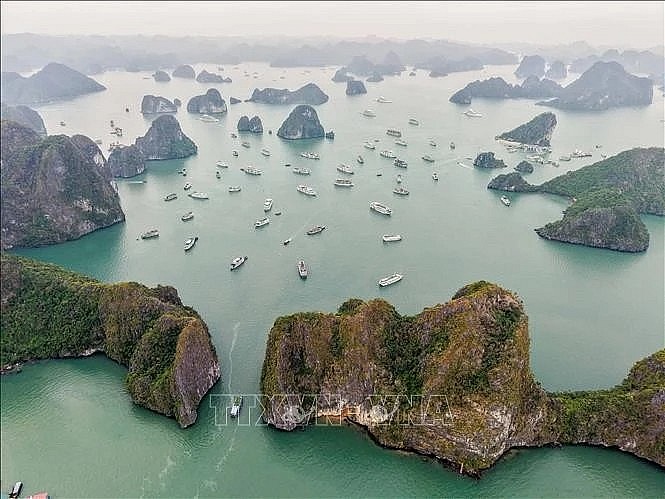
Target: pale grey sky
627	24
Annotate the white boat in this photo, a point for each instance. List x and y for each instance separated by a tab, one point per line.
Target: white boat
565	157
150	234
234	188
380	208
237	262
301	171
187	186
383	100
302	269
286	241
369	145
401	191
187	216
391	238
307	190
235	153
472	114
235	407
580	154
208	119
398	179
246	144
400	163
432	142
428	158
505	200
360	160
267	204
221	164
391	279
369	113
250	170
261	222
345	169
393	132
342	182
435	176
452	145
401	142
171	196
190	242
265	152
198	195
388	154
317	229
413	121
310	155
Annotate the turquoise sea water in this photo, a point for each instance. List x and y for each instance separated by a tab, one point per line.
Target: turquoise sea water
69	426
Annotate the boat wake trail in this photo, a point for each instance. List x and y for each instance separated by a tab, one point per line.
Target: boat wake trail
236	328
459	163
228	451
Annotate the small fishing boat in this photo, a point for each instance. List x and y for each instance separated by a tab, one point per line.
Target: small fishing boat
302	269
401	142
198	195
391	279
369	145
305	189
435	176
234	188
190	242
378	174
472	114
398	179
171	196
286	241
150	234
383	100
265	152
505	200
221	164
218	174
246	144
380	208
391	238
317	229
360	160
187	186
401	191
428	158
393	132
345	169
368	113
237	262
413	121
187	216
234	135
452	145
432	142
267	205
261	222
301	171
235	153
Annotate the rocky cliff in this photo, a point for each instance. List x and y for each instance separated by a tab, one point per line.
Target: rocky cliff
205	77
531	65
497	88
54	189
209	103
557	71
524	167
511	182
309	94
126	161
246	125
48	312
487	160
302	123
355	87
341	76
375	77
53	82
162	76
152	104
537	131
165	140
25	116
184	71
452	382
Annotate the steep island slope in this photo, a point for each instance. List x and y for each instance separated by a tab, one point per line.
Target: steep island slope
49	312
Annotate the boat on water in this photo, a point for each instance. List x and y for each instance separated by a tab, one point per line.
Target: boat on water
345	169
380	208
505	200
237	262
235	153
288	165
428	158
278	213
383	100
62	123
246	144
360	160
317	229
234	188
286	241
401	142
234	135
190	242
343	182
378	174
150	234
208	119
393	132
16	490
198	195
413	121
388	154
265	152
250	170
267	204
435	176
221	164
183	172
472	114
171	196
98	141
235	407
580	154
391	279
391	238
301	171
398	179
432	142
369	145
187	186
261	222
305	189
218	174
368	113
302	269
400	163
310	155
187	216
452	145
401	191
565	157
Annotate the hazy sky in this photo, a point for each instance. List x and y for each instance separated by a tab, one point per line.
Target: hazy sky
626	24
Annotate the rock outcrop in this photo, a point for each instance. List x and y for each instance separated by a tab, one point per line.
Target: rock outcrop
205	77
53	189
487	160
152	104
355	87
165	140
233	100
209	103
165	345
53	82
184	71
162	76
603	86
177	102
341	76
497	88
309	94
25	116
557	71
538	131
531	65
302	123
126	161
375	77
246	125
524	167
511	182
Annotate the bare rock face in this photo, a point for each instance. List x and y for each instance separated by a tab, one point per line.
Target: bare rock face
309	94
25	116
162	76
302	123
126	161
206	77
487	160
341	75
184	71
531	65
511	182
538	131
165	140
246	125
355	87
152	104
209	103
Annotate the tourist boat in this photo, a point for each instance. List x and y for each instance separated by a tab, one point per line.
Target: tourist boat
310	155
369	113
234	188
580	154
267	205
345	169
435	176
171	196
235	407
187	186
380	208
237	262
369	145
391	279
317	229
393	132
432	142
400	163
505	200
150	234
221	164
261	222
16	490
250	170
398	179
388	154
265	152
190	242
208	119
301	171
413	121
401	191
391	238
472	114
383	100
360	160
286	241
401	142
428	158
452	145
246	144
218	174
187	216
198	195
235	153
302	269
307	190
342	182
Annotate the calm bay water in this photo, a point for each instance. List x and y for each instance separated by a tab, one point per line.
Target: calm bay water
69	426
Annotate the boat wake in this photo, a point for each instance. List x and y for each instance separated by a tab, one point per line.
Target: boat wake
459	163
236	328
